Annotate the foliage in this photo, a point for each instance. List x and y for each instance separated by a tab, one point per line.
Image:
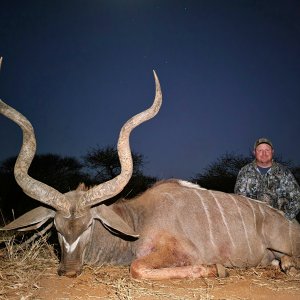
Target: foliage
221	174
104	162
62	173
106	165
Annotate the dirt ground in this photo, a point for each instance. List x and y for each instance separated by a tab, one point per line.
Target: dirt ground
115	283
30	273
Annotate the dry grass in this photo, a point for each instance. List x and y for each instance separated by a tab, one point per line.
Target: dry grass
28	271
125	288
22	265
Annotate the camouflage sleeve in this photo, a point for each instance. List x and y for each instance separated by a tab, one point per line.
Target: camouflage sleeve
291	191
240	187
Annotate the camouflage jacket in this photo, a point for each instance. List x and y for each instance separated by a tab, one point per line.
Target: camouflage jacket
278	187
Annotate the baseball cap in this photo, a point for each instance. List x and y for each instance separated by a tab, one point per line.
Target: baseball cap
263	141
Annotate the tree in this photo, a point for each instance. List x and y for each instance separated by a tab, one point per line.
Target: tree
296	173
104	162
62	173
221	174
106	165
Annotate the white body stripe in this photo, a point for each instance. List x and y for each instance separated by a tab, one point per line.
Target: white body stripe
208	218
223	219
243	223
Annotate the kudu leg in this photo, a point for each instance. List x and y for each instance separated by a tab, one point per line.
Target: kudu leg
140	271
168	261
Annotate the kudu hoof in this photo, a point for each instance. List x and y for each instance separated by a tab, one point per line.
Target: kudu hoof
222	272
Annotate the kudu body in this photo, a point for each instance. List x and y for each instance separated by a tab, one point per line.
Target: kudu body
174	230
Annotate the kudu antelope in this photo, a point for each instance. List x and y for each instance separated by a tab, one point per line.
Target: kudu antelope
174	230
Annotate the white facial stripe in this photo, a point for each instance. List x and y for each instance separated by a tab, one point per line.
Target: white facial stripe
70	248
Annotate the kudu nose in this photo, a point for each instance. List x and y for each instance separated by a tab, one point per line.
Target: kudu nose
70	274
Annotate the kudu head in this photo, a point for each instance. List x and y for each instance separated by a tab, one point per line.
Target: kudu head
75	211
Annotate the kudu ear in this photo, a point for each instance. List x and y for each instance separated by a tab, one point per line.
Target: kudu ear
112	221
31	220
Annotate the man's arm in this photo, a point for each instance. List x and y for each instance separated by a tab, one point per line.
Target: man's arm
240	187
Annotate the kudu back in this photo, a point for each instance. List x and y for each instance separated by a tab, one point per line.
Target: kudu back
175	229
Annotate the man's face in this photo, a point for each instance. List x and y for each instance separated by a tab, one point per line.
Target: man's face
264	154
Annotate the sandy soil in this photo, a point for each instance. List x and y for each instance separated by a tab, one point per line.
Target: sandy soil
115	283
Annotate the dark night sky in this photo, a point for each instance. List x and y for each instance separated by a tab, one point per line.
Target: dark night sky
229	71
